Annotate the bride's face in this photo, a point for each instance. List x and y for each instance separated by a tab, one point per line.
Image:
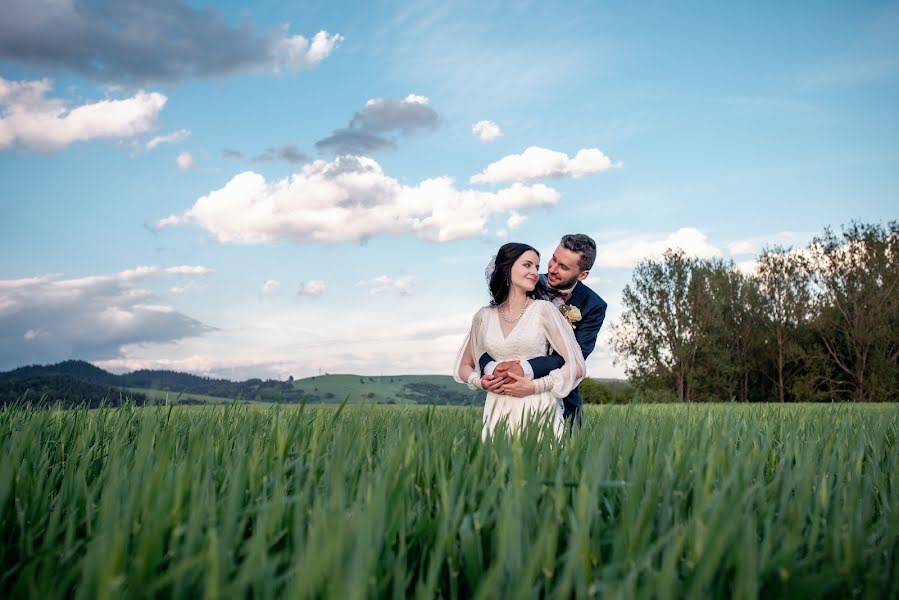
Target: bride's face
524	271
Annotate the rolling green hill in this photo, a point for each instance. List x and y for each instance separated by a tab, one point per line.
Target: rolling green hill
387	389
56	380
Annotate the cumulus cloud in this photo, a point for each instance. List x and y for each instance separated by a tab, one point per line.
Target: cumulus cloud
313	287
382	284
486	131
515	220
742	248
180	289
49	318
32	121
136	41
376	126
185	161
287	153
755	244
294	52
188	270
350	198
536	162
171	138
627	252
270	286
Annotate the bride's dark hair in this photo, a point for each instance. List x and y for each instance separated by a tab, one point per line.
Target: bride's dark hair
502	273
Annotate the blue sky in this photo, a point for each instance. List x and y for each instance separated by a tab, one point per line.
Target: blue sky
277	189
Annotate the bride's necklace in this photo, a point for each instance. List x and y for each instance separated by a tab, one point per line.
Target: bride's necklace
502	313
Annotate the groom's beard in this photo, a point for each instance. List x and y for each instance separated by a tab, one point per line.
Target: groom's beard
562	285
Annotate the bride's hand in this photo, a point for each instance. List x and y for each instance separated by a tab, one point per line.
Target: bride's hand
493	383
521	386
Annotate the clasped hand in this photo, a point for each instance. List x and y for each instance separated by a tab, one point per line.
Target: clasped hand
509	379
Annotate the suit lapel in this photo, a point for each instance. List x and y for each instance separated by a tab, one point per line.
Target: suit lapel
577	295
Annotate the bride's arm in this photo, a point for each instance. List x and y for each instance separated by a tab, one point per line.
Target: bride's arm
562	339
465	370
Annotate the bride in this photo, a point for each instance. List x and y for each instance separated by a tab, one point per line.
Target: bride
518	326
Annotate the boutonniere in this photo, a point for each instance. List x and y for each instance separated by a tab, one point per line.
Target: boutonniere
571	313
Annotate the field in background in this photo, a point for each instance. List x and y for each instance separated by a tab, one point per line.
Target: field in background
398	389
646	501
178	397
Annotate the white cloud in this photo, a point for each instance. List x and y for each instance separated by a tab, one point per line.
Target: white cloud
295	52
171	138
270	286
189	270
30	120
350	198
755	245
741	248
486	131
627	252
185	162
86	317
502	234
180	289
313	287
747	267
378	285
536	162
515	220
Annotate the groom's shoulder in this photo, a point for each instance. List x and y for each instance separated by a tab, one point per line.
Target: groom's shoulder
589	297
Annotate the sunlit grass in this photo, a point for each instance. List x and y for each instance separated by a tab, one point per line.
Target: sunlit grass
368	501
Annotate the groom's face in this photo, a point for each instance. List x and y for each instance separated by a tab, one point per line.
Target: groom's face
564	268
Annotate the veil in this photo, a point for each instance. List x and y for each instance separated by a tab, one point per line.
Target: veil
491	267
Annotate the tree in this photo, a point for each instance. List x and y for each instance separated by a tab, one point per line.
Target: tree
663	323
593	392
785	298
856	277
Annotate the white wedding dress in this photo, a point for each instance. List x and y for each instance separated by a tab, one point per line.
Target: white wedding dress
540	329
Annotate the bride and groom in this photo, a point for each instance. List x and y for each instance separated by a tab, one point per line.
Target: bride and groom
526	349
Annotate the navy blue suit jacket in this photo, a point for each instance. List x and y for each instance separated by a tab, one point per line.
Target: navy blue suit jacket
593	313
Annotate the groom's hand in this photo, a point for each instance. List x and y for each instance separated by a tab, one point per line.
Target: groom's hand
509	367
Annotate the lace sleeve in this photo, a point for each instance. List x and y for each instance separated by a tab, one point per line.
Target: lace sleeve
561	337
466	369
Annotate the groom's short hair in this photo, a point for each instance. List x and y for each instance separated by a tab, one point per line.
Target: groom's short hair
583	244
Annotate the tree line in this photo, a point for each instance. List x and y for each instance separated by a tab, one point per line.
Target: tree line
819	323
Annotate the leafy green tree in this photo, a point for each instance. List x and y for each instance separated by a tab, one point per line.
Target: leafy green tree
856	277
784	290
663	324
593	392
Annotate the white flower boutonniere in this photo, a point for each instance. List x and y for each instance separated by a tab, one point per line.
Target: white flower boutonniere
572	314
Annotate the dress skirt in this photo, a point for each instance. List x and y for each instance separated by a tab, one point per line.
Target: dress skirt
516	413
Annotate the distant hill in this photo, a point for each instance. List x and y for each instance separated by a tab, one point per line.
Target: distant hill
187	388
66	390
145	378
74	368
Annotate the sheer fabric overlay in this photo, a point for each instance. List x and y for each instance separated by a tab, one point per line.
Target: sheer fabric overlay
540	329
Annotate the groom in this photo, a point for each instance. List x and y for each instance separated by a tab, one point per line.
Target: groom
569	266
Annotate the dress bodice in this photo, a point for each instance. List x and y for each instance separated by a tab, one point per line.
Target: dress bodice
525	341
540	328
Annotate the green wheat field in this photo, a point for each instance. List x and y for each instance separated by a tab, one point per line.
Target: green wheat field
647	501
